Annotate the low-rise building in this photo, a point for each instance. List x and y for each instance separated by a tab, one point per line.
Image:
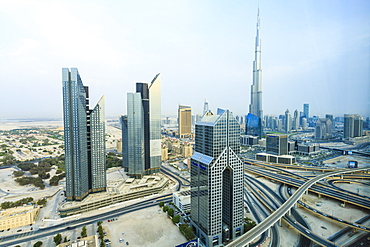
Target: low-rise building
281	159
19	216
308	149
181	199
90	241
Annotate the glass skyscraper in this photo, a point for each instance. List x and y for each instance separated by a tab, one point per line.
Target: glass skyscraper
84	139
217	179
141	129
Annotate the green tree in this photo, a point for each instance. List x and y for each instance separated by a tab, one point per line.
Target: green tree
171	212
58	238
161	204
65	239
41	201
18	173
54	181
37	244
165	209
176	219
83	232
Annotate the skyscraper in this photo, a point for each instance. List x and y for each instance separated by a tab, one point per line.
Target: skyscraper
205	107
141	129
306	111
353	125
295	120
255	106
323	128
84	139
217	179
185	119
288	122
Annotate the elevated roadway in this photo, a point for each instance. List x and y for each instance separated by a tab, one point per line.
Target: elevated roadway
248	237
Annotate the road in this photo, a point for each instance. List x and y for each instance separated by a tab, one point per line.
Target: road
248	237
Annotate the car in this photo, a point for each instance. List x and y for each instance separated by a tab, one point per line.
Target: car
31	228
19	230
8	229
1	230
121	240
78	237
108	220
340	220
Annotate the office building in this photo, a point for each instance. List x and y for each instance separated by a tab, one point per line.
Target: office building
185	119
205	107
287	122
353	125
323	128
331	117
295	120
277	144
141	129
253	125
217	179
84	139
306	111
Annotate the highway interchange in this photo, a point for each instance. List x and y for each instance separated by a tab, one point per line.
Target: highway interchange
267	206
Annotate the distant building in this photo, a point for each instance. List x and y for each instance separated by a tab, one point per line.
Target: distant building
306	111
217	179
184	116
323	128
277	144
331	117
186	150
164	153
84	139
205	107
353	126
288	122
253	125
248	140
141	129
308	149
295	120
281	159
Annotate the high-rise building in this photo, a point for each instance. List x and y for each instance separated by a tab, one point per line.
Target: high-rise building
295	120
353	125
287	122
306	110
330	116
255	106
217	179
277	144
141	129
205	107
358	124
185	119
84	139
323	128
253	125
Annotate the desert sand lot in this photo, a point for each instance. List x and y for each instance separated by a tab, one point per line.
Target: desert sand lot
148	227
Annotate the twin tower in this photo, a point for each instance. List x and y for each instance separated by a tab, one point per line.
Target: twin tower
84	135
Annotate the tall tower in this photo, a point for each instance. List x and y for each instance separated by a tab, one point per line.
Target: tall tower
205	107
306	111
84	139
141	129
288	122
217	179
255	106
185	119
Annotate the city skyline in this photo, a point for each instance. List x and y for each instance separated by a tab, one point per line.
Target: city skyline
313	52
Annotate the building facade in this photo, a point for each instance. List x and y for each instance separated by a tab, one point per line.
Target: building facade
277	144
323	128
84	139
141	129
217	179
184	121
353	126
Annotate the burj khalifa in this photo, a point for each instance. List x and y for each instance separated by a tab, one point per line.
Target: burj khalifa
255	116
255	106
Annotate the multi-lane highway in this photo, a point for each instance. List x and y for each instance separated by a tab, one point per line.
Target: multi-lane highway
248	237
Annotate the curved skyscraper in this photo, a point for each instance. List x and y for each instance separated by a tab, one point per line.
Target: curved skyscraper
84	139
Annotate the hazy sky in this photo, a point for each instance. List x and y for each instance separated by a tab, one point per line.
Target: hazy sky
313	51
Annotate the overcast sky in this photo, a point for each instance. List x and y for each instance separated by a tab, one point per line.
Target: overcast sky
313	51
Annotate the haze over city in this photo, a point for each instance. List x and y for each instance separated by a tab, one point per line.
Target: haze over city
312	52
